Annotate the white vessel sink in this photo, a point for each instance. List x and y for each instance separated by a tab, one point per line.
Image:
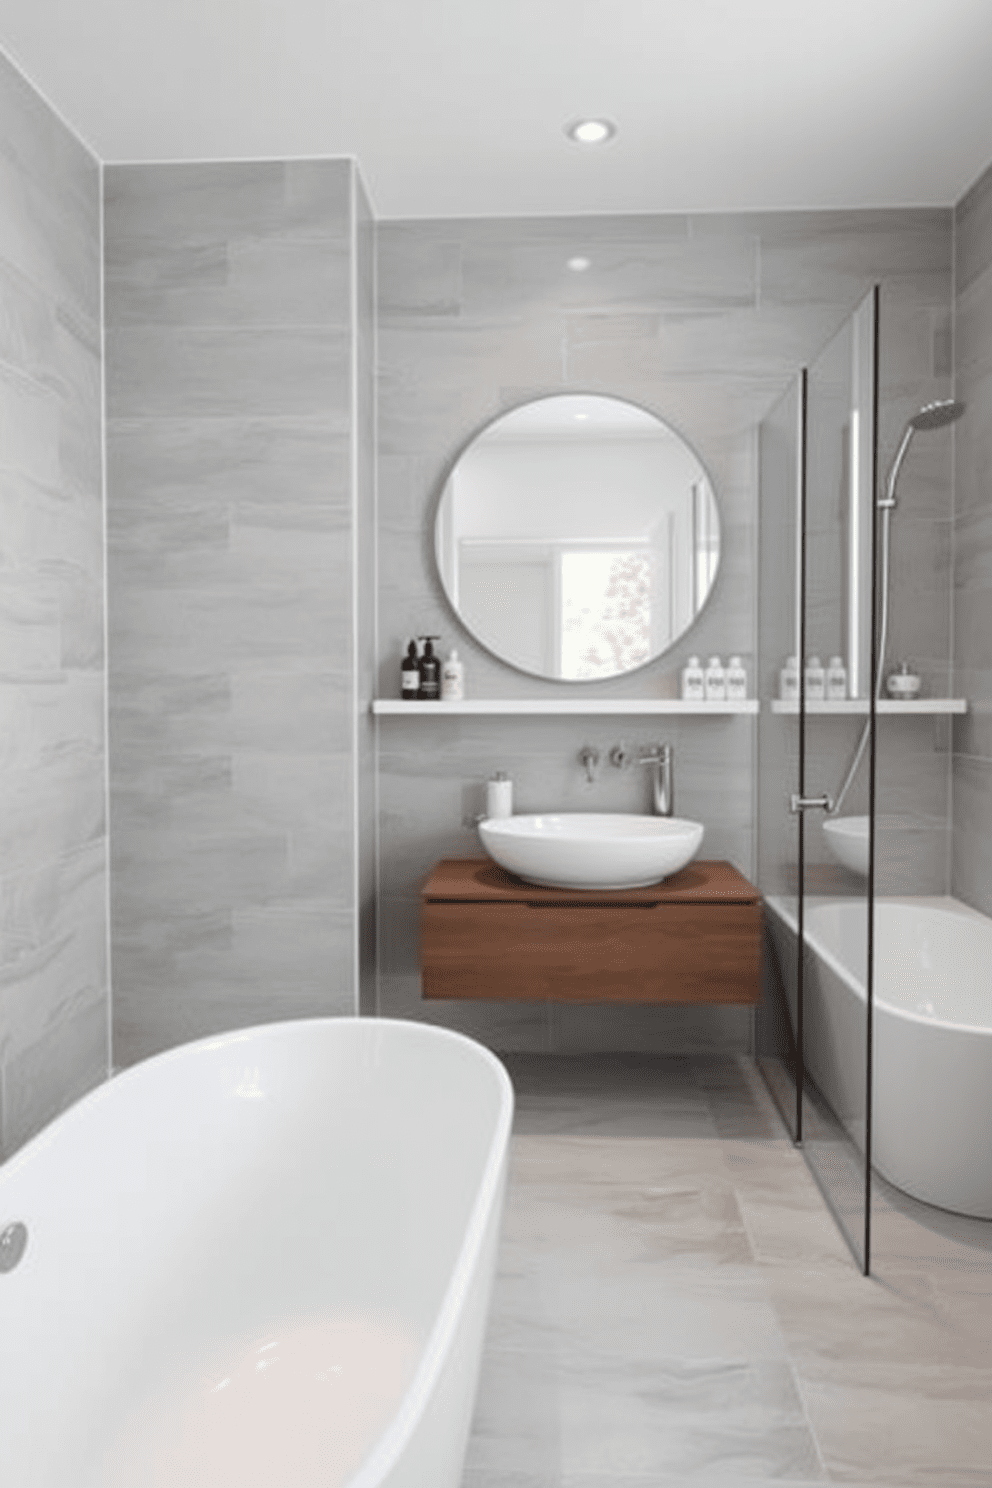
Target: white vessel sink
847	839
589	850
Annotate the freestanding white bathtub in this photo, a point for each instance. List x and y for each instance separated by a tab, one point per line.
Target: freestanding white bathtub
264	1258
932	1051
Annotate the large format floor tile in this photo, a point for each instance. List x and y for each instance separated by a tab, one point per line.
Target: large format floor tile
675	1304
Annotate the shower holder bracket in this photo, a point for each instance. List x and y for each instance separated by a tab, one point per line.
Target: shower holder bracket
805	803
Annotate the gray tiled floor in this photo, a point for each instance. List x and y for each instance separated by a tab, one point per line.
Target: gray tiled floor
674	1304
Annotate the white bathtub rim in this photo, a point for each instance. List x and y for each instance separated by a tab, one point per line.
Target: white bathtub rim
944	902
212	1041
388	1449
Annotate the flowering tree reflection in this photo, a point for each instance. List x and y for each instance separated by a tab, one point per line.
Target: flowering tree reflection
606	612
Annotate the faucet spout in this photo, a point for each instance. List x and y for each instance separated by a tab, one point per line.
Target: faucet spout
589	757
659	757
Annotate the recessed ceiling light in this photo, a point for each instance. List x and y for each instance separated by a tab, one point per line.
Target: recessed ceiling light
579	265
591	131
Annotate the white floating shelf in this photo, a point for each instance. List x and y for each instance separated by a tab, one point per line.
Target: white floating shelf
886	705
615	707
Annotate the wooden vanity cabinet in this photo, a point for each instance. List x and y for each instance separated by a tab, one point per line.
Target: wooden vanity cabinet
694	938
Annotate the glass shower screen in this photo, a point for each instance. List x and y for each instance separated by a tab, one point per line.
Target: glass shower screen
836	907
816	601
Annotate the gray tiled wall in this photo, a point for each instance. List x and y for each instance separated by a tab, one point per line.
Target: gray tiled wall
971	873
702	319
231	369
54	992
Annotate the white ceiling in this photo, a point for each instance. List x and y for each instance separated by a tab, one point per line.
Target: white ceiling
456	107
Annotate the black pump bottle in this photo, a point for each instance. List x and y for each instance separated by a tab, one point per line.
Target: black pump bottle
410	674
430	672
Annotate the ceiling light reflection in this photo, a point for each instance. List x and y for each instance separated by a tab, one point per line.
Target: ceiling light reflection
591	131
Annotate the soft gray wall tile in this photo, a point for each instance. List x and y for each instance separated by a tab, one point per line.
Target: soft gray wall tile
971	864
49	184
54	989
973	231
192	975
50	1074
834	257
507	1026
239	461
206	372
972	839
231	528
973	443
225	201
228	282
702	319
972	733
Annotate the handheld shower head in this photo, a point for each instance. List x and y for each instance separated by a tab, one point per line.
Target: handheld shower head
936	415
930	416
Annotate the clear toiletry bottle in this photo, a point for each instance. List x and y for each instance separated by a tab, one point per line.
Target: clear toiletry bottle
452	679
410	674
430	672
736	680
816	680
499	796
693	687
836	680
903	682
788	680
715	681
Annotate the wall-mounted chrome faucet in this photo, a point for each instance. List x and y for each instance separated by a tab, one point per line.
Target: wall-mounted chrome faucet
659	757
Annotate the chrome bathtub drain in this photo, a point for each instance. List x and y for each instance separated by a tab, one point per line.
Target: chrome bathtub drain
13	1243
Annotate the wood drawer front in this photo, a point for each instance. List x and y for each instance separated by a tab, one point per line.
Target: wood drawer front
675	953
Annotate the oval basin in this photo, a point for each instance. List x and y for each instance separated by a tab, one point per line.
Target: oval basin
588	850
847	839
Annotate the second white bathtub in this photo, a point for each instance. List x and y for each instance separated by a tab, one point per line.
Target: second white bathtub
932	1066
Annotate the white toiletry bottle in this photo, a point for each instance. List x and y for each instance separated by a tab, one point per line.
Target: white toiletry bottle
716	681
499	796
836	680
736	680
693	687
452	679
816	680
788	680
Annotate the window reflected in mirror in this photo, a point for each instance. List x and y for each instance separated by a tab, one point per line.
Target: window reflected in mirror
577	537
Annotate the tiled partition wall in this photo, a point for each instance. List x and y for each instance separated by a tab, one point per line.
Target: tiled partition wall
54	995
703	320
971	874
235	664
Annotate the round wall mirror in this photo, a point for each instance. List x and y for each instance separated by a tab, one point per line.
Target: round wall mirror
577	537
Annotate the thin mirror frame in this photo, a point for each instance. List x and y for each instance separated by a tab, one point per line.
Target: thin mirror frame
478	434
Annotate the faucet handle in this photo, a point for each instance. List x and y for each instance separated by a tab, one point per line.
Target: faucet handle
589	757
